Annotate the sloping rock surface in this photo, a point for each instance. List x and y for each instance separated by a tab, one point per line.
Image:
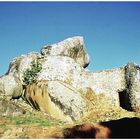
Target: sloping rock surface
56	98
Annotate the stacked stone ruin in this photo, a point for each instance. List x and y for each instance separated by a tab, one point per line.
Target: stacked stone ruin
63	67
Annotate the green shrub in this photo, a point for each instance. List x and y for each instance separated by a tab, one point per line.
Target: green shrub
30	74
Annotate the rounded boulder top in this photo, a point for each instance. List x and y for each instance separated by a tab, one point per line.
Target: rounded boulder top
71	47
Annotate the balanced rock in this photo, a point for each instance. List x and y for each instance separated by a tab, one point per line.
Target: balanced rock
59	99
71	47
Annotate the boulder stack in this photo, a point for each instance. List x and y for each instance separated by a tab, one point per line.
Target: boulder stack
59	87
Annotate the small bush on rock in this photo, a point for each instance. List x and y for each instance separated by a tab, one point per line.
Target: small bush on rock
29	76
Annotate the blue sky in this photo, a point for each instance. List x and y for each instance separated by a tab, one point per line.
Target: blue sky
111	30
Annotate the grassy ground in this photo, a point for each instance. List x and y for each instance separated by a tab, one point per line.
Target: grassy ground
38	125
29	126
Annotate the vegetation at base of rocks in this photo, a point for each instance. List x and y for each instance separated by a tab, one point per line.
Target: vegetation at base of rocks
29	126
40	126
34	120
23	137
29	76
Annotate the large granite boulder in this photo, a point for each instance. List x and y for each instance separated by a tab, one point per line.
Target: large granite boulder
71	47
60	68
59	99
10	87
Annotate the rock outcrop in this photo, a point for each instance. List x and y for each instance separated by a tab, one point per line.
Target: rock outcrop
107	82
62	65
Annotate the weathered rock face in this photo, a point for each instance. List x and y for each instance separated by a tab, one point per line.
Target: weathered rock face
59	99
10	87
8	108
71	47
60	68
108	83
